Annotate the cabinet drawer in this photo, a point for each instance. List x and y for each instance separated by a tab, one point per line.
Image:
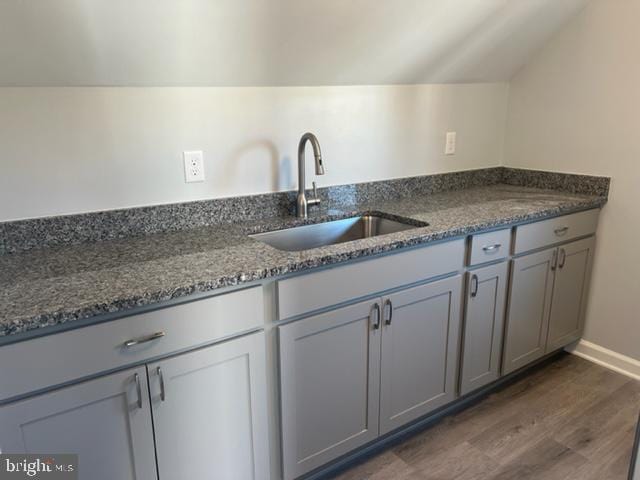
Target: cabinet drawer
63	357
488	247
555	230
314	291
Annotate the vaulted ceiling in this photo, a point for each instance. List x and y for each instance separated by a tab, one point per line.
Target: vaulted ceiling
271	42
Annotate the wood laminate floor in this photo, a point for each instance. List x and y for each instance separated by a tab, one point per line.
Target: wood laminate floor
570	420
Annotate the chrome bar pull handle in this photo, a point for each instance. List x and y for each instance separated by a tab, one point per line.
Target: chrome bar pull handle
492	248
563	258
554	260
138	389
387	303
137	341
375	308
561	231
161	378
474	285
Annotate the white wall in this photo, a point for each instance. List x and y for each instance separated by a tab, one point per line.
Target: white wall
70	150
270	43
576	108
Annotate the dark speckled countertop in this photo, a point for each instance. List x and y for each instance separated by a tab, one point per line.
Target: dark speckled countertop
57	285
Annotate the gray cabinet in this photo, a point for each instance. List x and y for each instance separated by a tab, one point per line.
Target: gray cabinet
420	344
210	414
572	276
352	374
528	311
330	373
67	356
208	408
483	326
106	421
546	302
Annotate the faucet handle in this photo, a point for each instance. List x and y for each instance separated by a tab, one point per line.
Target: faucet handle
315	200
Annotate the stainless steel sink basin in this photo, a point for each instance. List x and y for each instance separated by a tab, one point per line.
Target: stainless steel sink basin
330	233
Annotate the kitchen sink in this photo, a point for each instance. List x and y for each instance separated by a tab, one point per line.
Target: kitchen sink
317	235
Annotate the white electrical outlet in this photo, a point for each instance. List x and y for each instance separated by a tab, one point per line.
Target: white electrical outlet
193	166
450	144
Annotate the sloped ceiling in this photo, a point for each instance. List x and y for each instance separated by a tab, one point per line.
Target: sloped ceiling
271	42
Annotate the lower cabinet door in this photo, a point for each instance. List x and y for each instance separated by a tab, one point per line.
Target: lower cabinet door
483	326
106	422
209	412
570	293
329	373
420	345
528	310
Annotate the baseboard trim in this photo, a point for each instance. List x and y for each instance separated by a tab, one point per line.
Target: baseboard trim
607	358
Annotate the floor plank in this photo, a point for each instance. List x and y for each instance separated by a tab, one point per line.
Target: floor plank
570	420
547	459
595	432
447	465
382	467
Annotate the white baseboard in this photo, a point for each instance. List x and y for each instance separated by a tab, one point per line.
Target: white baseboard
607	358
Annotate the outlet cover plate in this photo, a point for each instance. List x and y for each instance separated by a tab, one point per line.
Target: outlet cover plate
193	166
450	143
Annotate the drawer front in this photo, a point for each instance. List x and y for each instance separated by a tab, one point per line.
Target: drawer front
314	291
488	247
555	230
63	357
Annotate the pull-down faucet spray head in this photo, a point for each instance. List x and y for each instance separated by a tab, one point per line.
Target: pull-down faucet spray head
319	164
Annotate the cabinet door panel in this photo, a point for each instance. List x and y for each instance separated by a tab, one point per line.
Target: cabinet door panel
528	311
483	326
100	420
419	351
212	423
570	293
329	367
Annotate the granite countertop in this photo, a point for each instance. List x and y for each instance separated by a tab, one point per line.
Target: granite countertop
52	286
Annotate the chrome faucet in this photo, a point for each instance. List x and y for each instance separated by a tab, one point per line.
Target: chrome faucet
302	203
